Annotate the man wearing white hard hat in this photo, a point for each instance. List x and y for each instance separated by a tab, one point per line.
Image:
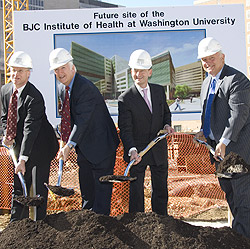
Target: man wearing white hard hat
92	132
33	137
143	112
225	99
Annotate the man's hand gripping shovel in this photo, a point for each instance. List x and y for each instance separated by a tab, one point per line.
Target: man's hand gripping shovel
25	200
58	189
126	177
230	166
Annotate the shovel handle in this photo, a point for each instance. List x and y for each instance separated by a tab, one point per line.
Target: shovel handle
145	150
60	170
60	166
209	147
151	144
22	180
20	175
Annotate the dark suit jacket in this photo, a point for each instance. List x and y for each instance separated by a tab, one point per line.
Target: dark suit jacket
138	126
230	111
35	136
92	126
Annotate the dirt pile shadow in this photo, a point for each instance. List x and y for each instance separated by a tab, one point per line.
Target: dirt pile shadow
85	229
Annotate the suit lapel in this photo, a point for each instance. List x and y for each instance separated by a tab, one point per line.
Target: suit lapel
156	105
219	82
140	103
206	89
154	99
22	98
221	79
9	92
23	94
72	88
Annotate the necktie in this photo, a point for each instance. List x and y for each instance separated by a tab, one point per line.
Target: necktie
206	127
12	117
65	120
145	96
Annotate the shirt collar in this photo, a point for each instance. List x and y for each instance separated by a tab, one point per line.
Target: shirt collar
71	83
217	76
19	90
140	88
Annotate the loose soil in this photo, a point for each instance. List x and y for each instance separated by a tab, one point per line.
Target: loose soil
233	164
61	191
86	229
29	201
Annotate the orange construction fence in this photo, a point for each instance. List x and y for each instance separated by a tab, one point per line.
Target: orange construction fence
192	185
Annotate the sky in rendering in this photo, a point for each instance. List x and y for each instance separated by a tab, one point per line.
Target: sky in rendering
182	45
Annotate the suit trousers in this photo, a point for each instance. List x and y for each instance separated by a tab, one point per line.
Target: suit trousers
96	195
18	211
237	192
159	196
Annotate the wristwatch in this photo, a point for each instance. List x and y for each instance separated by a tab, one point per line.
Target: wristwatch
71	146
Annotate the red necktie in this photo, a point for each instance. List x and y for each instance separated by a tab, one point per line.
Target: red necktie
145	96
12	117
65	120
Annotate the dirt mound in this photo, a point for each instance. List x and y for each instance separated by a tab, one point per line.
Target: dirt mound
85	229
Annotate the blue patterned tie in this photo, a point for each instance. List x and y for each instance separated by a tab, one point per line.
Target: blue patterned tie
206	126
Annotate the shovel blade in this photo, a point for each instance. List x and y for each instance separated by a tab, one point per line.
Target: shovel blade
233	164
116	178
58	190
29	201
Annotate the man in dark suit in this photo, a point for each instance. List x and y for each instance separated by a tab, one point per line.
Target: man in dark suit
35	142
140	118
226	124
93	132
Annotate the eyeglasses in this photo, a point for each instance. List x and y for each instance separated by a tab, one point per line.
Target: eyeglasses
19	71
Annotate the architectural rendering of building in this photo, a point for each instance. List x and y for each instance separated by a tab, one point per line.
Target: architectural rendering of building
112	75
191	75
94	67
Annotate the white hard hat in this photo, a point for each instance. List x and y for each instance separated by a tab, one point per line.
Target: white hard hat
208	46
20	59
140	59
59	57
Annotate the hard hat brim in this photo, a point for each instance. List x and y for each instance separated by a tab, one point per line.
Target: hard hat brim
140	67
137	66
18	65
55	66
208	54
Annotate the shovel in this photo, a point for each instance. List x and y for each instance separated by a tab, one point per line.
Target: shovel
231	165
25	200
125	177
58	190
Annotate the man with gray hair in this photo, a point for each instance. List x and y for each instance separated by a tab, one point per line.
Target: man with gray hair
225	100
87	127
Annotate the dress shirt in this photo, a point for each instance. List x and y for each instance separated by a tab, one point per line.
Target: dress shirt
19	91
211	136
70	88
140	90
